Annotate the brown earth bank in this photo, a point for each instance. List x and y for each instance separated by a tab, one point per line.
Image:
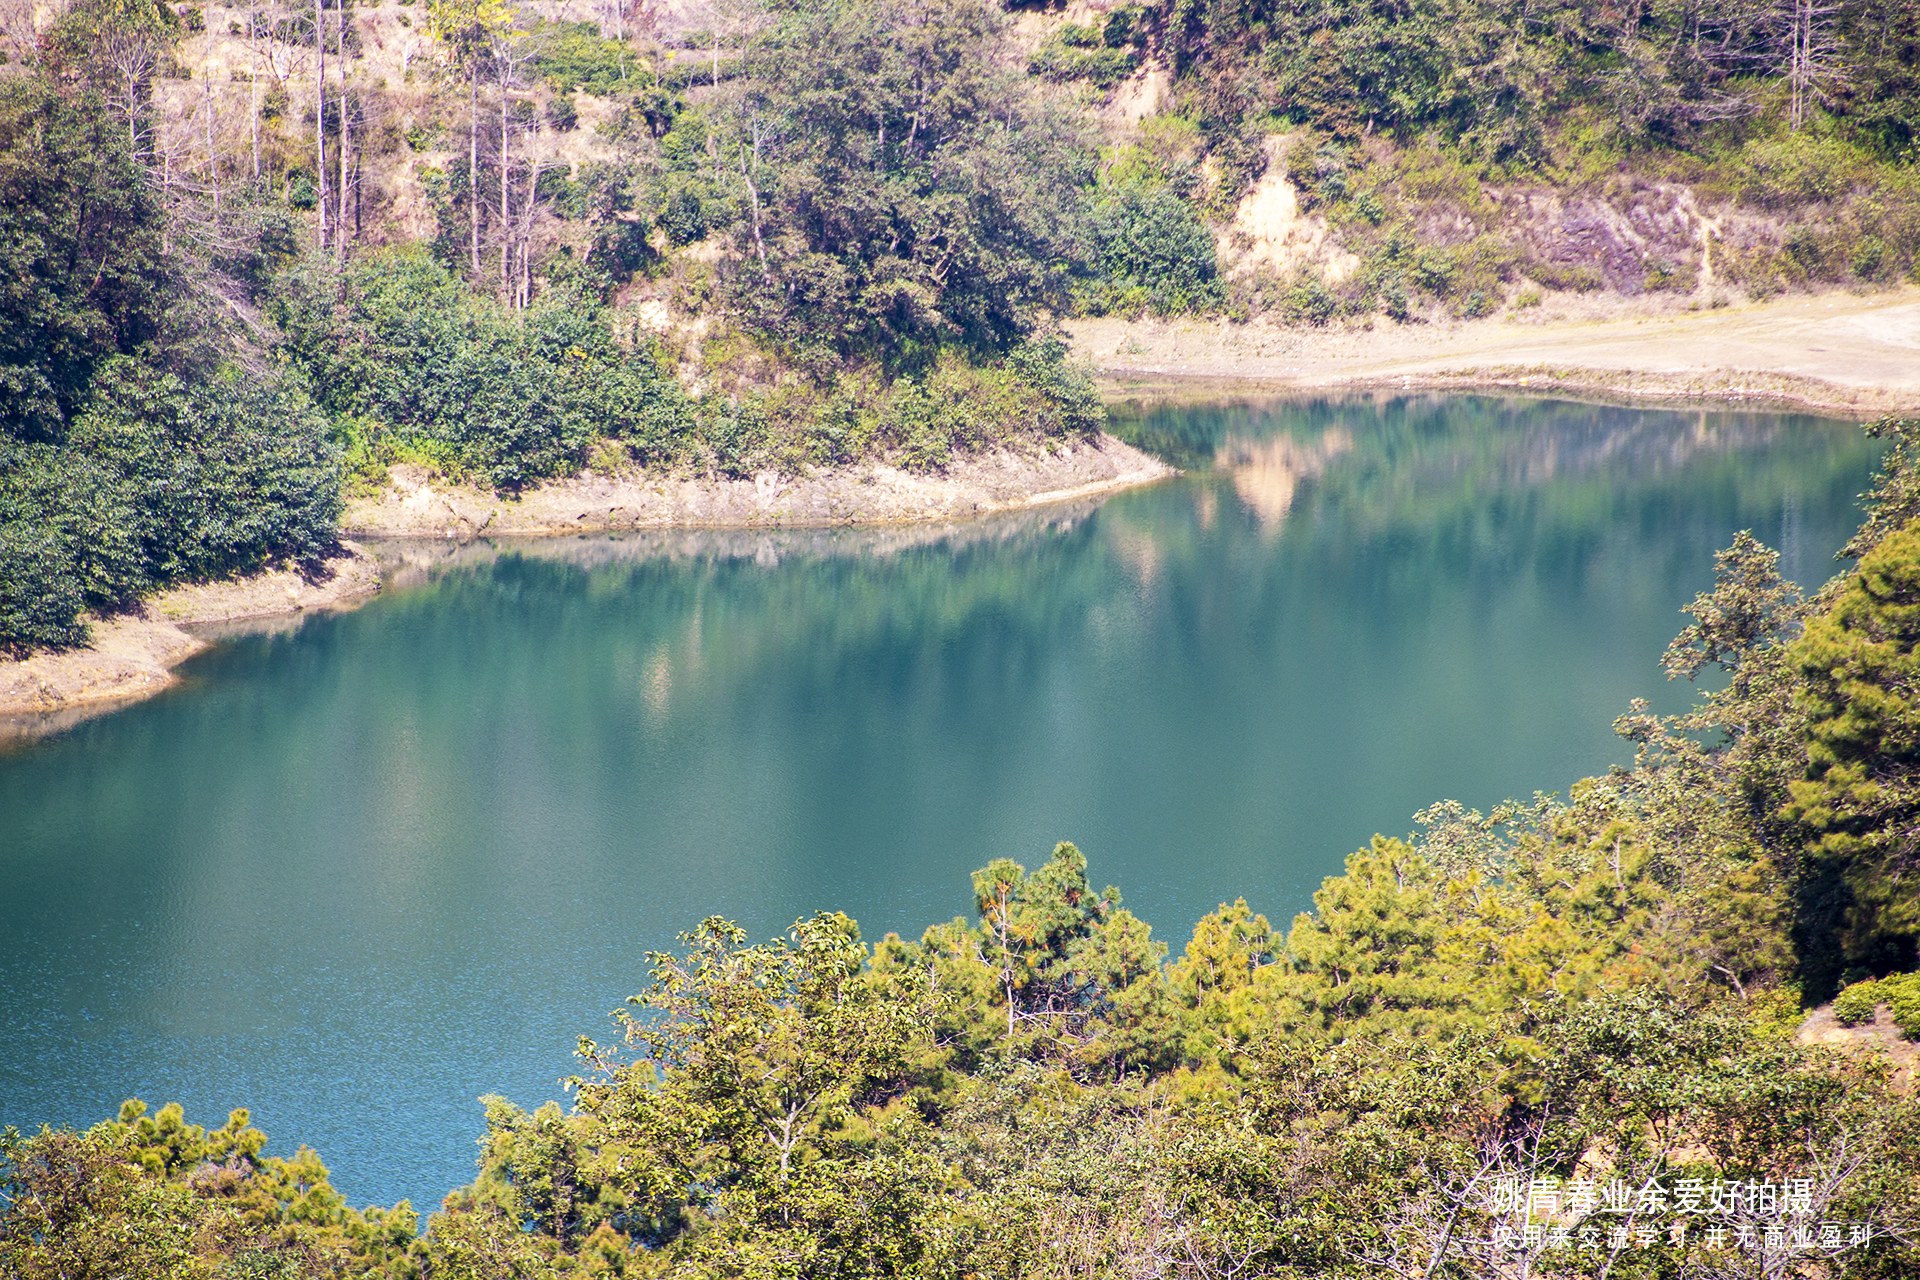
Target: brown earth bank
1839	352
132	655
413	505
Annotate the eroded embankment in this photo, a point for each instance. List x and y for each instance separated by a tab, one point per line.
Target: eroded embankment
866	493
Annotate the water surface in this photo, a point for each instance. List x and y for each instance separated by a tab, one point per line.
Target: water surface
357	873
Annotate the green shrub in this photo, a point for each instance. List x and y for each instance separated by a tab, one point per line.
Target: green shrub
1124	26
573	56
1435	271
1866	255
1034	394
1153	254
1855	1006
1797	169
1102	67
1309	302
1393	299
159	481
1901	993
395	345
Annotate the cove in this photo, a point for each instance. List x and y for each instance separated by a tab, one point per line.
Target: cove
355	873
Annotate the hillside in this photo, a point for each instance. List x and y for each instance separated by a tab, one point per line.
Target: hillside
1347	161
287	249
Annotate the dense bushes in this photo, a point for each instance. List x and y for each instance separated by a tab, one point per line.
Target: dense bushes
1152	254
572	55
133	452
402	354
158	481
1859	1004
409	364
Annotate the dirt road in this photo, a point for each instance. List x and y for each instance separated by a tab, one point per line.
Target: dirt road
1852	354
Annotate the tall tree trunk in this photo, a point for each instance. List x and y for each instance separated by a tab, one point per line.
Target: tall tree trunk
213	157
506	167
253	87
320	114
340	47
473	162
525	286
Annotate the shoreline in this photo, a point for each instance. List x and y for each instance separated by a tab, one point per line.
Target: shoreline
414	506
1845	354
133	655
1849	355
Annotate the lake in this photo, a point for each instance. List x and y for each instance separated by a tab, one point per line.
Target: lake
355	873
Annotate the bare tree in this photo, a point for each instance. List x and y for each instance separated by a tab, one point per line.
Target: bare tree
253	86
128	55
467	27
18	35
513	49
524	282
1812	63
285	46
320	116
346	144
206	106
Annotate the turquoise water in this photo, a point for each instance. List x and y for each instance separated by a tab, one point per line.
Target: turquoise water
355	874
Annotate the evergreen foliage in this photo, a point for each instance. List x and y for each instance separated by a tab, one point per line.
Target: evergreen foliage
1858	663
1153	253
903	190
80	238
401	354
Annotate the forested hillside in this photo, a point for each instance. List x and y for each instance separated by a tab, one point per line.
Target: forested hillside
1554	1040
259	252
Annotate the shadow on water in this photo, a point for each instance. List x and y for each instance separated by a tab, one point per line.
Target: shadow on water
358	872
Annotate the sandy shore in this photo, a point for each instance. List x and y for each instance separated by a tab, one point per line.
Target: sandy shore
1003	480
133	655
1854	355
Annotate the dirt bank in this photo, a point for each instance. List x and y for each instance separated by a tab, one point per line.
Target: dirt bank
1836	352
133	655
1004	480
